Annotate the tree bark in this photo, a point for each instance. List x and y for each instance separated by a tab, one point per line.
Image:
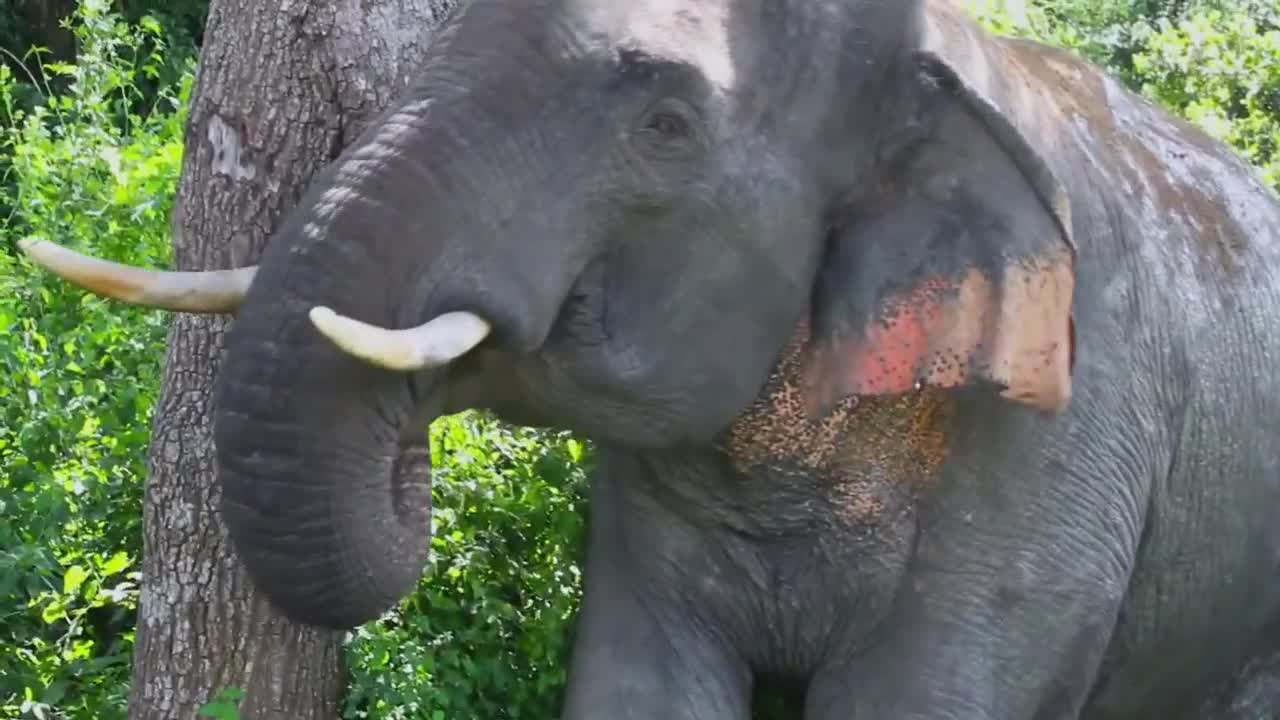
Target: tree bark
282	87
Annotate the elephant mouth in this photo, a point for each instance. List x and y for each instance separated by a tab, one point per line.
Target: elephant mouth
583	319
576	318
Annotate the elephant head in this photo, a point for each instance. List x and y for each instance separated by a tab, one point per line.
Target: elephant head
613	217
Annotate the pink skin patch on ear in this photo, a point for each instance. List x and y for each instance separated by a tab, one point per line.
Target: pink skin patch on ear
864	417
1017	334
895	356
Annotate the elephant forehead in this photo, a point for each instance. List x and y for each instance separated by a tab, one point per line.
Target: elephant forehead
691	31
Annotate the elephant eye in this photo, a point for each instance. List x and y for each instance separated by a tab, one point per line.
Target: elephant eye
670	127
668	124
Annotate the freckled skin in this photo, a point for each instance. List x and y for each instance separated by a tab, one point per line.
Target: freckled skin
860	443
931	373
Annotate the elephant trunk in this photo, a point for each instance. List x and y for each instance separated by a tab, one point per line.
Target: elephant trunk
328	504
325	474
322	455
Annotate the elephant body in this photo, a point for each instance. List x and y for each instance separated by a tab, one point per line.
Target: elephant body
933	373
945	554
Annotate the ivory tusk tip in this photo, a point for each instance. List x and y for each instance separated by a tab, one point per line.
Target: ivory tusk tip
322	317
432	344
34	247
354	338
57	259
209	291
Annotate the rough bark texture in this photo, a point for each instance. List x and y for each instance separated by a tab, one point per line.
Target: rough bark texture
283	86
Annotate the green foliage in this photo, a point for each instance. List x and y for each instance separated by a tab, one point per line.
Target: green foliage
224	705
1221	70
183	21
79	374
486	634
75	410
1214	62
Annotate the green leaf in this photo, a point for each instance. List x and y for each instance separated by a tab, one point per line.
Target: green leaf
73	579
224	705
116	563
219	711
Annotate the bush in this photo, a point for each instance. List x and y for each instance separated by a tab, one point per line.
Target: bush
79	374
20	38
1214	62
487	633
1221	70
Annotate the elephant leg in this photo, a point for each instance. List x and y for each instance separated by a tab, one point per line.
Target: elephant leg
639	654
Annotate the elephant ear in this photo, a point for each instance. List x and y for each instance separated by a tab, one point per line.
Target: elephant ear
956	268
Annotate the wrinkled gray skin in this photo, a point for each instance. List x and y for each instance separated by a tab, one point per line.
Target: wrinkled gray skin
649	200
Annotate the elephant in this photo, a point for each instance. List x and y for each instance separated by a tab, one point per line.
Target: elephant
930	371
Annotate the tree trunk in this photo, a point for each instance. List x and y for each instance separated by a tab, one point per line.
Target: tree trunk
282	87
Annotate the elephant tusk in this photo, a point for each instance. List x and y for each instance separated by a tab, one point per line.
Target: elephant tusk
211	291
437	342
